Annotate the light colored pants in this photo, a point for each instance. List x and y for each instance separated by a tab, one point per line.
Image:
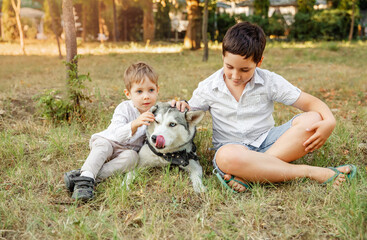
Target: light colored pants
107	158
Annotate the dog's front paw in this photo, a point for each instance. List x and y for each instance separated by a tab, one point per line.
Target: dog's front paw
199	187
129	178
125	185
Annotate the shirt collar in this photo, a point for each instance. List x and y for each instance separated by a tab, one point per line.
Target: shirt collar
220	84
257	78
219	80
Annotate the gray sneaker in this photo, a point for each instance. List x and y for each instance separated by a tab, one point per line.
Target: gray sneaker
69	179
83	189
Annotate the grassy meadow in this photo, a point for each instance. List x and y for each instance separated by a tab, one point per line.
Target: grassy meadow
161	203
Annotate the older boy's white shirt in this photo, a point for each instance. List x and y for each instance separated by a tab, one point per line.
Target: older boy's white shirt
249	120
119	129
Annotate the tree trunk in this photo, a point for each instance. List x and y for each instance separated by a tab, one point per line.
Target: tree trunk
51	5
69	29
148	21
2	28
192	38
125	28
16	8
100	34
352	23
115	37
205	33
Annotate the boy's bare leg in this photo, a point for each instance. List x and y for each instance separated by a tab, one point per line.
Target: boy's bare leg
289	146
273	165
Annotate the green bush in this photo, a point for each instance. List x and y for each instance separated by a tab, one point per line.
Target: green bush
331	24
303	28
277	25
263	22
212	21
224	21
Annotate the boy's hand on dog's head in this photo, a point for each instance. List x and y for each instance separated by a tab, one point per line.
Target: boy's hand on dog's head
180	105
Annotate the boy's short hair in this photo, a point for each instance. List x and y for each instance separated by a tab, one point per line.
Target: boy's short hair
137	72
245	39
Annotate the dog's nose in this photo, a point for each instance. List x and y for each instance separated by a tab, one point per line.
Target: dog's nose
154	138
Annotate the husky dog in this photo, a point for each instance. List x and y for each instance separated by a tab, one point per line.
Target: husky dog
170	141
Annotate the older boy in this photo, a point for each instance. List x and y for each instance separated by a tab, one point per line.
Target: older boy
240	97
115	149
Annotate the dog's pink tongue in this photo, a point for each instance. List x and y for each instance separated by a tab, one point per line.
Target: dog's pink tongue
159	142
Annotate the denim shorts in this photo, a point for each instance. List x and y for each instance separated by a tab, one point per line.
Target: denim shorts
272	137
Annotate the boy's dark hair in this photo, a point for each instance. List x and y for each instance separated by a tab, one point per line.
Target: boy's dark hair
245	39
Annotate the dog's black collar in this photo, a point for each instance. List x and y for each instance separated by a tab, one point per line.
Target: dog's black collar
180	158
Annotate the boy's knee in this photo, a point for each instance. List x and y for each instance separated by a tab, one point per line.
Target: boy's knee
103	145
307	119
100	142
228	158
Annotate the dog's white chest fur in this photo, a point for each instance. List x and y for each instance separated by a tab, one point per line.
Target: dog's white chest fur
148	159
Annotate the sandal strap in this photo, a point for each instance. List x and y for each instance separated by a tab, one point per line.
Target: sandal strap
227	181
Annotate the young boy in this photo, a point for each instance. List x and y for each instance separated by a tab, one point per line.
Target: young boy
240	97
115	149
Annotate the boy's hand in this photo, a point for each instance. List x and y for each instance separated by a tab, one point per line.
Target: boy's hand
323	130
144	119
180	105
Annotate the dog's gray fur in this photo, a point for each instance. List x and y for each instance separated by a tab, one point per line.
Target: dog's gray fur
178	138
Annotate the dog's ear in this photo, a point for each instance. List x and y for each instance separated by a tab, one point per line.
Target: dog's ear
153	109
194	117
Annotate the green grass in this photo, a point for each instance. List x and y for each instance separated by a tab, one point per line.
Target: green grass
161	203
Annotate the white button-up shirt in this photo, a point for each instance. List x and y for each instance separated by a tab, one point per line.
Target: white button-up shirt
249	120
119	130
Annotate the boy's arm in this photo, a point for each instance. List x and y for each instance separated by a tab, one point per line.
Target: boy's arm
324	128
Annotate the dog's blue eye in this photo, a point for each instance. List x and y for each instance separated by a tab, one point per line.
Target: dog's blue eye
172	124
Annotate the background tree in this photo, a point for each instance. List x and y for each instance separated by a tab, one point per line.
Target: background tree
148	20
115	33
69	29
162	20
130	19
90	22
53	20
306	6
333	3
100	21
9	23
193	31
362	5
205	32
262	7
354	2
16	6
